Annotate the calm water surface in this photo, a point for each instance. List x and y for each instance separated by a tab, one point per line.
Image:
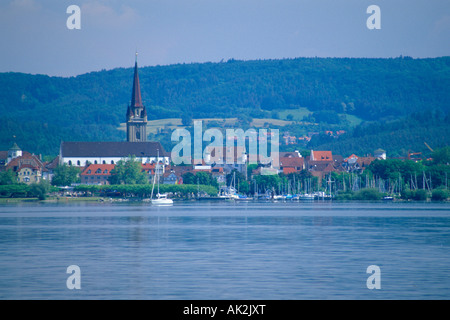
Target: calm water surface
218	250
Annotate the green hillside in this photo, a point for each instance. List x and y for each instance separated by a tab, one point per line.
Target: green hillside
330	92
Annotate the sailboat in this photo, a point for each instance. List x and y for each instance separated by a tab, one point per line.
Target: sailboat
229	193
161	199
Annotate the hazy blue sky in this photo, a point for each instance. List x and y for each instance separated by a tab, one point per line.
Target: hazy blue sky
35	38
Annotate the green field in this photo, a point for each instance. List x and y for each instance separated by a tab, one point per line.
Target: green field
174	123
297	114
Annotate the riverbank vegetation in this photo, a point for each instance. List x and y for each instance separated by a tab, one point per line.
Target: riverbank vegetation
145	190
39	190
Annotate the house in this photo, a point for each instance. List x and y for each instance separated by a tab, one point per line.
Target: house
228	158
219	174
288	139
290	154
364	162
352	158
357	164
28	168
9	155
338	159
149	170
323	156
380	154
174	174
317	159
321	170
351	163
291	164
170	177
96	173
321	163
50	166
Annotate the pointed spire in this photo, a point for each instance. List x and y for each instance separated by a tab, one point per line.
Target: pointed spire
136	100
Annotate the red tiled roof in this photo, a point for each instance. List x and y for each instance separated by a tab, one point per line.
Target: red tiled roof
52	164
365	161
25	159
321	156
148	166
287	170
291	162
353	156
329	168
102	167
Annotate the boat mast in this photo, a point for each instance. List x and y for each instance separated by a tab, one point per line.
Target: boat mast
157	170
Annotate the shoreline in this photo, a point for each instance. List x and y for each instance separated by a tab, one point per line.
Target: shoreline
200	200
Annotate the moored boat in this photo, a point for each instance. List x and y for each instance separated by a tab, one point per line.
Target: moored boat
161	199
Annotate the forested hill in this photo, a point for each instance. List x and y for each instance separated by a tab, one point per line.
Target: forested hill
41	111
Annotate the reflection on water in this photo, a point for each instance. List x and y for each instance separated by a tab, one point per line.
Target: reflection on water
218	250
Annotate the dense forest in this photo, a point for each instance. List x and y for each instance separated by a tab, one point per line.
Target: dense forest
398	137
399	103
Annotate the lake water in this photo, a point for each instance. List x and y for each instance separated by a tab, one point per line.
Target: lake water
221	250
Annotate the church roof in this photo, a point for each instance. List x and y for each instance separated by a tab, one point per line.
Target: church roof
112	149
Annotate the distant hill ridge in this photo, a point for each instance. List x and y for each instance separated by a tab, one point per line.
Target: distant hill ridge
41	110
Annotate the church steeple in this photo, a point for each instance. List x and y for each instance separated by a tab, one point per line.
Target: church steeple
136	99
136	113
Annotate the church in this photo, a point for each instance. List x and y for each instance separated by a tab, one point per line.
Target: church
81	153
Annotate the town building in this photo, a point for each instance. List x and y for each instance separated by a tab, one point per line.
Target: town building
136	112
291	164
8	155
28	167
380	154
82	153
96	174
322	163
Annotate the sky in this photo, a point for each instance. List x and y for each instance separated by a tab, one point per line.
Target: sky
35	38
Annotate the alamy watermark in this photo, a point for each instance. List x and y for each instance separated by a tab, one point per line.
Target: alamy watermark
233	151
374	280
74	280
74	20
374	21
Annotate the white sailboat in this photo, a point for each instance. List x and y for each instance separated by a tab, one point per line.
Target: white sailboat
161	199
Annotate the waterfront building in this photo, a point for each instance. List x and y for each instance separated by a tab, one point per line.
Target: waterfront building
82	153
97	174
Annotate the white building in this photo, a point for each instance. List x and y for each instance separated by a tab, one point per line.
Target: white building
81	154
